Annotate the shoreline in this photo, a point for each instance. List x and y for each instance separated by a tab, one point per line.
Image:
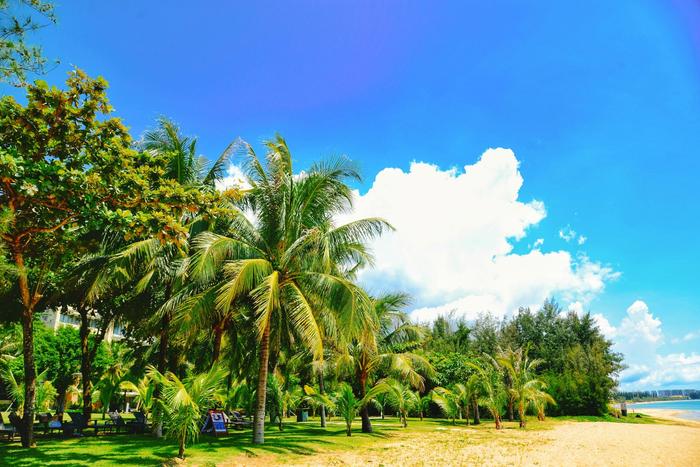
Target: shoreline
671	414
658	401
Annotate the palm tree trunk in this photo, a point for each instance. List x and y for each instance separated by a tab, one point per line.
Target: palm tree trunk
162	362
259	422
85	363
521	415
510	410
181	451
477	418
28	303
218	333
320	390
366	423
466	413
497	419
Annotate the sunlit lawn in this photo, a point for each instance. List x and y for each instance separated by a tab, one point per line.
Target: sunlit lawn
296	441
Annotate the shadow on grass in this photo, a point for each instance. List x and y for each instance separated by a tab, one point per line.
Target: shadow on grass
297	439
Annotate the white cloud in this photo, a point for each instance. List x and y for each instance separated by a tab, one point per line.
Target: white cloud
453	245
567	234
235	178
688	337
640	338
607	329
672	370
640	324
538	243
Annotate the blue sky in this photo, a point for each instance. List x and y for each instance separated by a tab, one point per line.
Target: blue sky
599	102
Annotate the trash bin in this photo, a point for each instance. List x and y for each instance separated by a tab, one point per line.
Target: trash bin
623	409
303	415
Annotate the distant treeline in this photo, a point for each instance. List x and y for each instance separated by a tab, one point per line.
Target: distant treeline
665	394
578	363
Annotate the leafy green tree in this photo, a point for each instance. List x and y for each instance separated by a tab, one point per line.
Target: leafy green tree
18	19
66	168
273	259
183	402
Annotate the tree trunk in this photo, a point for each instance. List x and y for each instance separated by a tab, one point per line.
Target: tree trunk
477	418
85	364
162	363
497	419
218	333
510	410
259	422
521	415
320	390
348	429
28	303
181	451
29	378
466	413
366	423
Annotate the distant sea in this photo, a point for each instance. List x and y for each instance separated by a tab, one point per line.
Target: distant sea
691	408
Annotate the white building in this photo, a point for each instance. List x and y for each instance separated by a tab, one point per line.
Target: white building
57	318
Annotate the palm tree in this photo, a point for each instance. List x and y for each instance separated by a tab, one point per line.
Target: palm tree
274	258
524	385
448	402
402	399
110	383
375	349
45	391
144	389
346	405
458	400
424	406
540	400
489	380
183	402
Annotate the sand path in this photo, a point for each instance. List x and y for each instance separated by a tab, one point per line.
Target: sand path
566	444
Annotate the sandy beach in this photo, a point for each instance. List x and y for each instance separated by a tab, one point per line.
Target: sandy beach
670	414
566	443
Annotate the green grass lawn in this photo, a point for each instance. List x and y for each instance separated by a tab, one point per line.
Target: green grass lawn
296	441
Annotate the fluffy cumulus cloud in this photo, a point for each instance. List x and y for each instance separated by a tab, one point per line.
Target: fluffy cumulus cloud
640	338
640	325
453	244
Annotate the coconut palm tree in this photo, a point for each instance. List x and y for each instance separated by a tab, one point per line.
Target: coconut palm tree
346	405
45	391
524	385
448	402
424	406
374	350
540	400
401	399
285	254
144	389
492	391
110	383
183	402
